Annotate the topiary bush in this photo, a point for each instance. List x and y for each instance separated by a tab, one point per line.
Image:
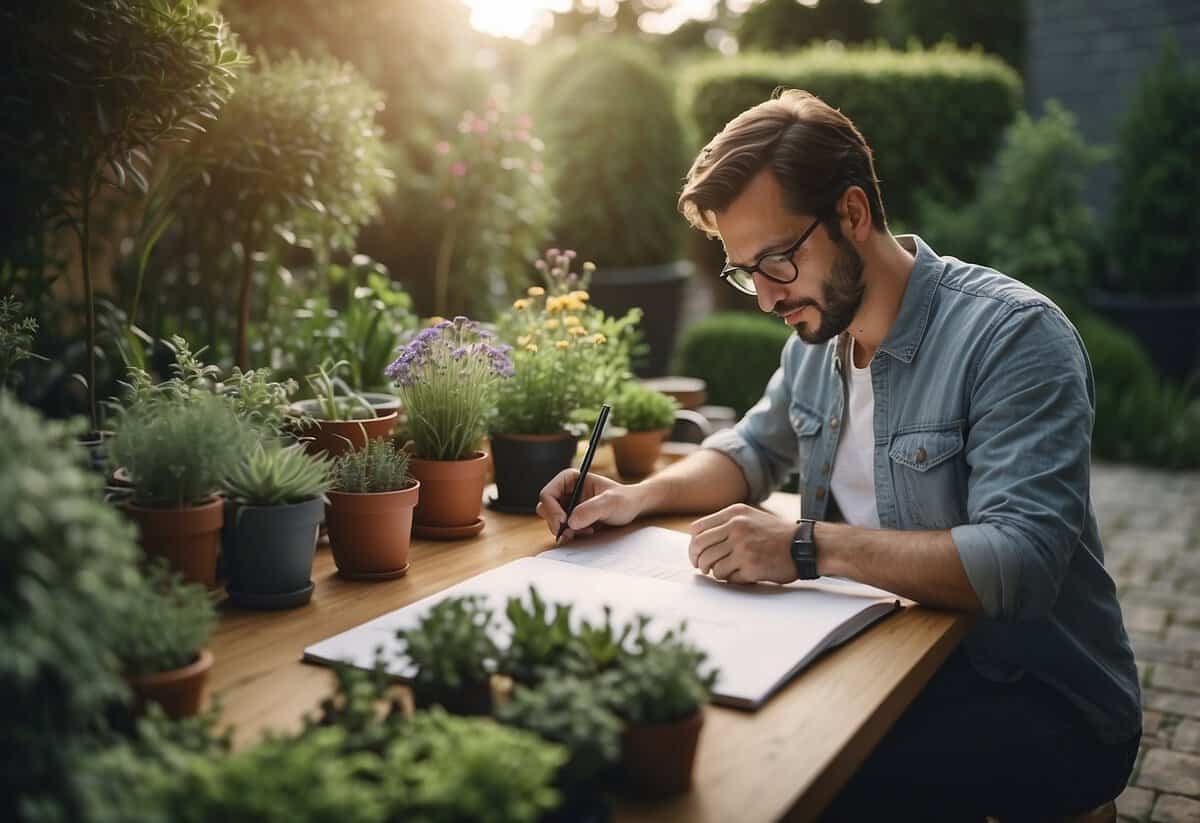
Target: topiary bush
614	153
735	353
1029	220
898	100
1156	225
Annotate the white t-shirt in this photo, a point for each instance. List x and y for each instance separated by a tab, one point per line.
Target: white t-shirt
853	481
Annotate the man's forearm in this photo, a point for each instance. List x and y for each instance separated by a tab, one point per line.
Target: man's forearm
701	483
921	565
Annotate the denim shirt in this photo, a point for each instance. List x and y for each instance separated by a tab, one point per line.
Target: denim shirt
984	403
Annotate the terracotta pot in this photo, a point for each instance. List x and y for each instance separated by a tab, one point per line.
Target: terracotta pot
453	493
657	758
370	534
335	437
188	538
179	691
475	699
637	452
525	463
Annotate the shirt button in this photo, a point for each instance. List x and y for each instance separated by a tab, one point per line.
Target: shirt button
820	492
824	468
834	422
921	456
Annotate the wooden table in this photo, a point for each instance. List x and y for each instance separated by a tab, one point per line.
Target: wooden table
787	759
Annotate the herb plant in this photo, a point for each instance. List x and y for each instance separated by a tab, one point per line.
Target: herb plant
660	681
639	408
540	638
167	625
326	385
447	377
452	646
379	466
276	475
16	340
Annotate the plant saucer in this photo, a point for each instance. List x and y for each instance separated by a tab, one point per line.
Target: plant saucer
448	532
391	574
270	600
497	505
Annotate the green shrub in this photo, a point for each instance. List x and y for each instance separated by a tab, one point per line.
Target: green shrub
1156	225
615	152
780	25
735	353
638	409
452	646
278	475
1029	219
67	579
168	624
933	118
997	28
379	466
178	451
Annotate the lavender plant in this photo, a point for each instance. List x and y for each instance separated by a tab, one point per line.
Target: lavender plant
446	379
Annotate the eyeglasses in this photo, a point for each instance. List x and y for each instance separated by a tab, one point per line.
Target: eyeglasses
776	266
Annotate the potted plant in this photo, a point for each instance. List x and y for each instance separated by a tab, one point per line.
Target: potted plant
576	714
660	691
161	645
564	361
616	186
340	419
369	512
279	498
446	378
452	649
177	451
647	415
539	641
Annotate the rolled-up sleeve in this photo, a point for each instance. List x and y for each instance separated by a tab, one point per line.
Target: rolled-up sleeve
763	443
1028	450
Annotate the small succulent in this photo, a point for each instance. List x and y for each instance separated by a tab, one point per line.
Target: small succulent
276	475
452	646
638	408
379	466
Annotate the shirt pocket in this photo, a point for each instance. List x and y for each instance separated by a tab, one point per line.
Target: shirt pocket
806	425
928	476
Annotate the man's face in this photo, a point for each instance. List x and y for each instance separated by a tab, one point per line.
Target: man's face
820	303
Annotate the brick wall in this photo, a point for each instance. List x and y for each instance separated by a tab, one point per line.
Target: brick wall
1089	54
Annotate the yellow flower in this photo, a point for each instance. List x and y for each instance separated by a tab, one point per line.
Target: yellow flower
554	304
599	339
552	324
531	347
535	291
563	344
433	321
571	321
577	331
524	340
521	305
581	296
574	304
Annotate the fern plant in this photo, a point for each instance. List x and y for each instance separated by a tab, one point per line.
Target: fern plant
379	466
278	476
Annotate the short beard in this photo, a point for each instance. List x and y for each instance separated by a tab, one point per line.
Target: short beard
843	296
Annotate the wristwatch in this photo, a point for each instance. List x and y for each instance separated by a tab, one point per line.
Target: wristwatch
804	550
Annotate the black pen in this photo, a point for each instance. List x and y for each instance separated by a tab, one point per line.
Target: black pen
597	430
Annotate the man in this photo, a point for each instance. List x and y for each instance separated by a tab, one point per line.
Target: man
939	415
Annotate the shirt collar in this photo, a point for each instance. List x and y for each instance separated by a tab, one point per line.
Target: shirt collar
906	333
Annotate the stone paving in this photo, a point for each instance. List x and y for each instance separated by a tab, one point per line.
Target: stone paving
1150	521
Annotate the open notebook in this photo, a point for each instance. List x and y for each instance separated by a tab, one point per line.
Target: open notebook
758	636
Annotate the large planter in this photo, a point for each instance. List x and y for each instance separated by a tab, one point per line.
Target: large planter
657	758
271	554
1167	327
658	291
637	452
188	538
336	437
370	534
473	699
180	691
452	496
525	463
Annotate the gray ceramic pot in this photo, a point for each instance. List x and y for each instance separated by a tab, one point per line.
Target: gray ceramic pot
270	564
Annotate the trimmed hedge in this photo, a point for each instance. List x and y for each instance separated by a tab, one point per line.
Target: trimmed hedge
934	118
735	353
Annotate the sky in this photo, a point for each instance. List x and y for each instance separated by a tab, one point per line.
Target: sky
525	18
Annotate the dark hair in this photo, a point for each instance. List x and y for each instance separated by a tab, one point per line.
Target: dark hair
814	151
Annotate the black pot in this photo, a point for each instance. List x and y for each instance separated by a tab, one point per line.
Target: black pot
1167	327
524	464
270	564
658	290
97	444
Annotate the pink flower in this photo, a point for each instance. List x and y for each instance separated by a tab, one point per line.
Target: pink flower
524	121
536	167
458	168
448	203
522	136
442	147
480	126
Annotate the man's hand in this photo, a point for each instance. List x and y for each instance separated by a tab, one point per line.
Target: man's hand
600	501
742	544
